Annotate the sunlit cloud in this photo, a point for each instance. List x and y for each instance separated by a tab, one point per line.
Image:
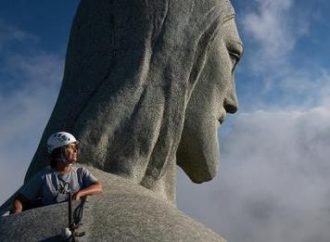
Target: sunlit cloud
273	30
269	27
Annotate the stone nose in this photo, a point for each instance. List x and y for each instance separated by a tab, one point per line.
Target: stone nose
231	101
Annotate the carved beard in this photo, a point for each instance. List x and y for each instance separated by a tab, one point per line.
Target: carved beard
213	96
198	152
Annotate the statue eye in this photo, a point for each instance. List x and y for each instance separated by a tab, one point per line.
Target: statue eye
235	50
234	57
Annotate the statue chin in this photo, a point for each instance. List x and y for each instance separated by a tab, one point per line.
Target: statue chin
198	152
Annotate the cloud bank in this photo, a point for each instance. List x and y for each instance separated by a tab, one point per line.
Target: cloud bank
273	181
274	28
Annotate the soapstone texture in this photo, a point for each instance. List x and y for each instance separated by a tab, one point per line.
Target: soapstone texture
125	212
144	88
146	85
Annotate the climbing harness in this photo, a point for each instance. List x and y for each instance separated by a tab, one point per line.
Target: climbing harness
70	233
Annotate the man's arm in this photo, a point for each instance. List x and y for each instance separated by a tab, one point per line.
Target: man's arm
28	194
94	188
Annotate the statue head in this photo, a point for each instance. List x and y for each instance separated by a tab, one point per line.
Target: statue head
146	84
213	96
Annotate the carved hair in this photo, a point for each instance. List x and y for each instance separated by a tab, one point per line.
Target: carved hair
130	70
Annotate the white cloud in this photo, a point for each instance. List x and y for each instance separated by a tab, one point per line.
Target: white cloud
314	88
299	89
29	104
270	27
274	171
273	185
274	31
29	87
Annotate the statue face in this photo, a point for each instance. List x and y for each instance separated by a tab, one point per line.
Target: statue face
213	96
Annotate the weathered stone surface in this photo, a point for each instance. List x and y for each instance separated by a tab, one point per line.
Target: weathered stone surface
125	212
146	84
143	80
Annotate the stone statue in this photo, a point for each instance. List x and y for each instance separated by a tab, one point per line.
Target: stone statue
146	85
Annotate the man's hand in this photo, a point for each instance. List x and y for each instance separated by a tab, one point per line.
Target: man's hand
18	206
92	189
77	196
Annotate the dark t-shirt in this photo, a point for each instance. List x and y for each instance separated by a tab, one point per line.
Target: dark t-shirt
52	187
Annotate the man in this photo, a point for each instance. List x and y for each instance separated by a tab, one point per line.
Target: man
53	184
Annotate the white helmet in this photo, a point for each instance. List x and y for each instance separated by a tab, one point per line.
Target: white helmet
59	139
